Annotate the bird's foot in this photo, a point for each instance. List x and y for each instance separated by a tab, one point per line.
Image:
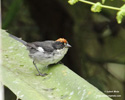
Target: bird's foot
40	74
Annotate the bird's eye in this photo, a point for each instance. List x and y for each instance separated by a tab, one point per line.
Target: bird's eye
59	45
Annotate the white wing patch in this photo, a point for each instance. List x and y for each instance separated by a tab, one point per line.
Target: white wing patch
58	50
40	49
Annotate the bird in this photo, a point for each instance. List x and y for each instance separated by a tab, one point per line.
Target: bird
45	52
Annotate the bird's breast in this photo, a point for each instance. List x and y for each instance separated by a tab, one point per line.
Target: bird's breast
46	59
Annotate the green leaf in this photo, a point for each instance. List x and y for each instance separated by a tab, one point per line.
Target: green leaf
103	1
123	7
72	1
19	75
120	14
96	7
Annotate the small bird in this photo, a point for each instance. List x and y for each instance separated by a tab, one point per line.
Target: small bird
46	52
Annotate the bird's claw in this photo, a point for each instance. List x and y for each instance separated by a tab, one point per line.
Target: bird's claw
40	74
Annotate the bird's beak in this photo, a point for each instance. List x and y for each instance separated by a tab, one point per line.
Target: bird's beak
68	45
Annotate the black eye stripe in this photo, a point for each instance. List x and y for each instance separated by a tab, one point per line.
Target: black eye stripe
58	45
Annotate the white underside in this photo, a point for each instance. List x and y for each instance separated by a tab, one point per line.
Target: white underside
49	58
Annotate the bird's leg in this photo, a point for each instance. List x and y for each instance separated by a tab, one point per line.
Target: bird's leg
40	74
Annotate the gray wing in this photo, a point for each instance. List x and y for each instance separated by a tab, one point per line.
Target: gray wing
46	45
32	47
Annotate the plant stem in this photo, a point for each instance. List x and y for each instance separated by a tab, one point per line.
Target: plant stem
104	6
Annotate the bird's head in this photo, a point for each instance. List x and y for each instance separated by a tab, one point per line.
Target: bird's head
61	43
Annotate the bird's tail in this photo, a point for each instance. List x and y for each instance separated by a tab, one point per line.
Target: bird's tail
18	39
